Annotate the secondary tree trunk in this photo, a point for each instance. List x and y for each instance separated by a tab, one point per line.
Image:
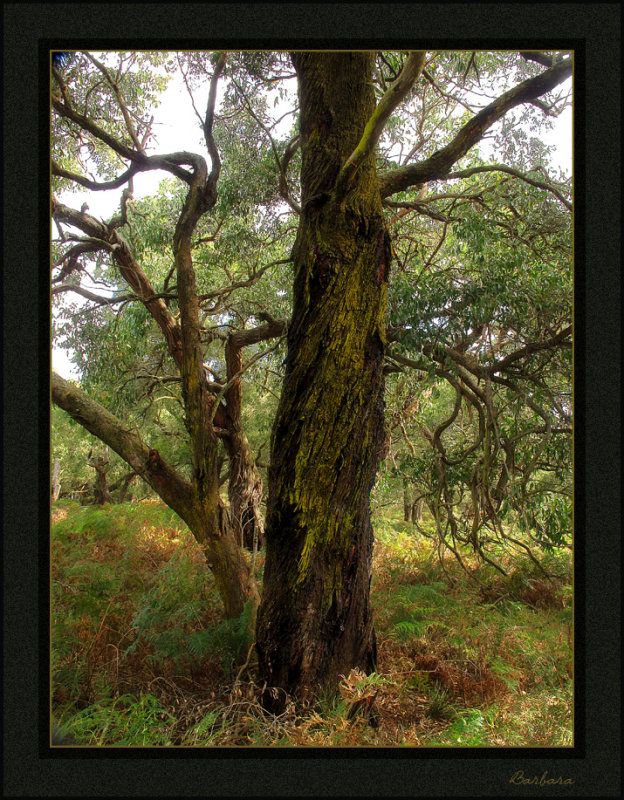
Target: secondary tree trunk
417	511
314	621
56	479
245	483
101	493
407	501
123	485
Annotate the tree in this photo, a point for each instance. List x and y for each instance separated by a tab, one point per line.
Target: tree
197	501
366	165
314	620
491	406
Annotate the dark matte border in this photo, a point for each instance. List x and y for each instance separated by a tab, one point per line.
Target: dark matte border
335	772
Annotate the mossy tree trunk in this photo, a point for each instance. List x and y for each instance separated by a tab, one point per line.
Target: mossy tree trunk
100	464
314	620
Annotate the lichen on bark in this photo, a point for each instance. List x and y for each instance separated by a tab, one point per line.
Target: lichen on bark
315	620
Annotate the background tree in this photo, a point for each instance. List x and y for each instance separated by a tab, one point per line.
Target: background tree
495	321
196	500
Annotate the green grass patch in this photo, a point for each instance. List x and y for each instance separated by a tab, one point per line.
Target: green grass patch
142	656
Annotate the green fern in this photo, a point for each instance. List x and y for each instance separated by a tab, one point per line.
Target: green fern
406	629
504	671
469	729
169	610
126	720
230	638
418	606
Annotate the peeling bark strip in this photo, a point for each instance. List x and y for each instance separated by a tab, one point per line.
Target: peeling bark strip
383	256
314	620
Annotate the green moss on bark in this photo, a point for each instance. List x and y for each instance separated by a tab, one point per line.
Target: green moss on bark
315	621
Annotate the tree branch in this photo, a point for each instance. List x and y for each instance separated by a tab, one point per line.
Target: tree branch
209	119
120	101
540	58
466	173
532	347
174	490
395	94
170	162
131	271
439	164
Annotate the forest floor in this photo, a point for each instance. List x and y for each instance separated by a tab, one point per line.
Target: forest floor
141	656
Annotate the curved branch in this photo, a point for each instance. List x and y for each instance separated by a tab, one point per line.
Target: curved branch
60	172
395	94
130	269
209	119
174	490
439	164
122	105
540	58
466	173
102	301
170	162
88	125
532	347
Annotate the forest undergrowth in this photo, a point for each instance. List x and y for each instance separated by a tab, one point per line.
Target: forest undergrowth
141	655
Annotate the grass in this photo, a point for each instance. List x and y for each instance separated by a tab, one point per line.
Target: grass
141	655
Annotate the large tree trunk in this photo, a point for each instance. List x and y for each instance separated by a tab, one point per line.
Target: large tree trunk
314	621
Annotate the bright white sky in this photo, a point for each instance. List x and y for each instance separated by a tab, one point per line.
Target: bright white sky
176	128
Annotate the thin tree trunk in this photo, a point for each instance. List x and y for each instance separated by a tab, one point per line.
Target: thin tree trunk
245	482
56	479
407	501
417	511
314	621
123	484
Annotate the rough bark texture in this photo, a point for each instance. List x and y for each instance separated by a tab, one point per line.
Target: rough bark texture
100	489
314	621
245	483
